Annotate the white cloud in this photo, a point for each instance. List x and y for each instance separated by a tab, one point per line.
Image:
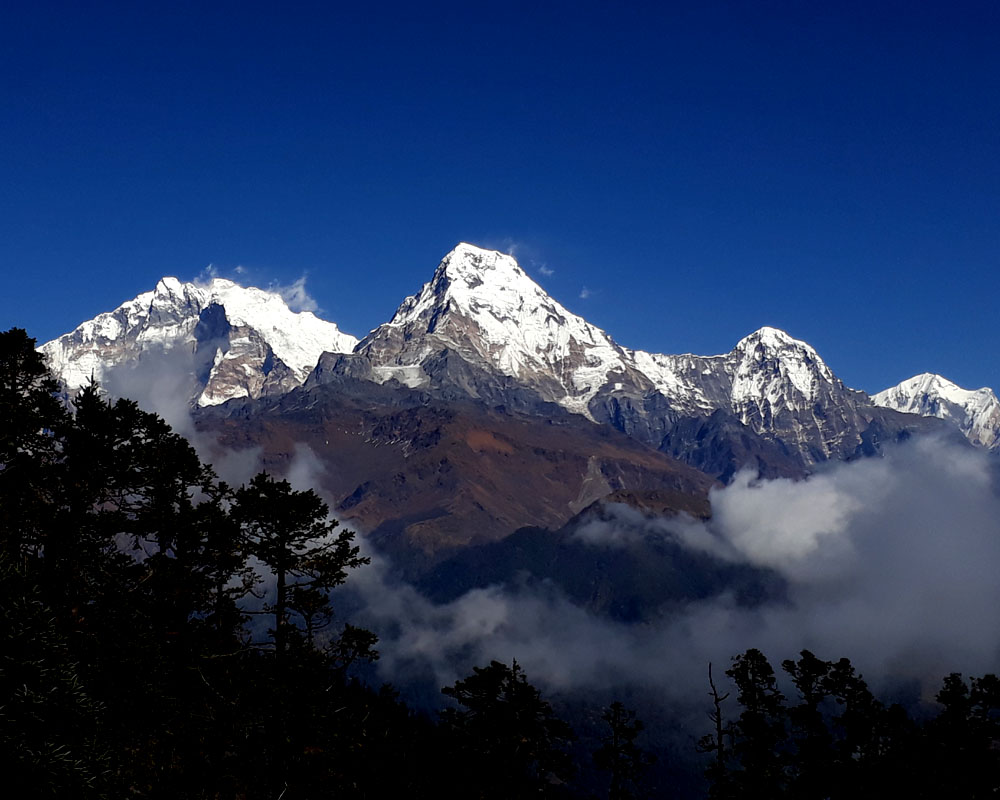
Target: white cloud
296	296
585	293
890	562
209	273
546	271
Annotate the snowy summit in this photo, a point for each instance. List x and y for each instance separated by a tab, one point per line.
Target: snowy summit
232	341
976	412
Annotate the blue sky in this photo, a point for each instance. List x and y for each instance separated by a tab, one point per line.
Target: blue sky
700	169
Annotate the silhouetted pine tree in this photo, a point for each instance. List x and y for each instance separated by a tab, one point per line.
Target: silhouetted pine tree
719	745
51	742
291	533
963	742
760	730
506	740
32	422
620	755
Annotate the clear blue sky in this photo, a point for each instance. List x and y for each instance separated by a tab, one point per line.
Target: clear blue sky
701	168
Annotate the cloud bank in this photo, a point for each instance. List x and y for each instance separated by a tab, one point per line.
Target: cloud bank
891	562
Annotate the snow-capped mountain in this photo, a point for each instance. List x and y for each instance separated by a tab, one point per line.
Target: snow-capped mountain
485	405
223	340
769	381
481	328
483	307
976	413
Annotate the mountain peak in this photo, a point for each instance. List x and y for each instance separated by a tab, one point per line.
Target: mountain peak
976	412
938	385
477	254
930	381
771	365
483	306
248	330
772	339
168	285
478	283
474	267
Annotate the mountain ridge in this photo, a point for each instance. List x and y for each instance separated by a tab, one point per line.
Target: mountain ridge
482	328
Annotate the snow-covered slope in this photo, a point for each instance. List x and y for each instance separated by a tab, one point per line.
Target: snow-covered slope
226	340
977	413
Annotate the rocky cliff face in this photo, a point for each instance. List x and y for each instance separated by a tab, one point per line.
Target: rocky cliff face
424	475
775	387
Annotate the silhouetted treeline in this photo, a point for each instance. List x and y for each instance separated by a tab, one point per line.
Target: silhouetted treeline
834	739
127	666
131	580
134	663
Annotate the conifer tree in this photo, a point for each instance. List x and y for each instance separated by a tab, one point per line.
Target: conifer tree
811	738
759	744
32	420
719	771
620	755
509	742
50	725
291	533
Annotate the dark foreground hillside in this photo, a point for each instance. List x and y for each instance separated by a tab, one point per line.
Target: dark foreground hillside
163	634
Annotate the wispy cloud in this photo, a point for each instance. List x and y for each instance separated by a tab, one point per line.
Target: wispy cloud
585	293
546	271
296	296
209	273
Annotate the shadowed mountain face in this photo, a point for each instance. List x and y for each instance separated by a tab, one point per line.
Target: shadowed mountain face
426	476
638	580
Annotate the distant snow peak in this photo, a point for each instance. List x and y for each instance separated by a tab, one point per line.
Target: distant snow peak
242	341
976	412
